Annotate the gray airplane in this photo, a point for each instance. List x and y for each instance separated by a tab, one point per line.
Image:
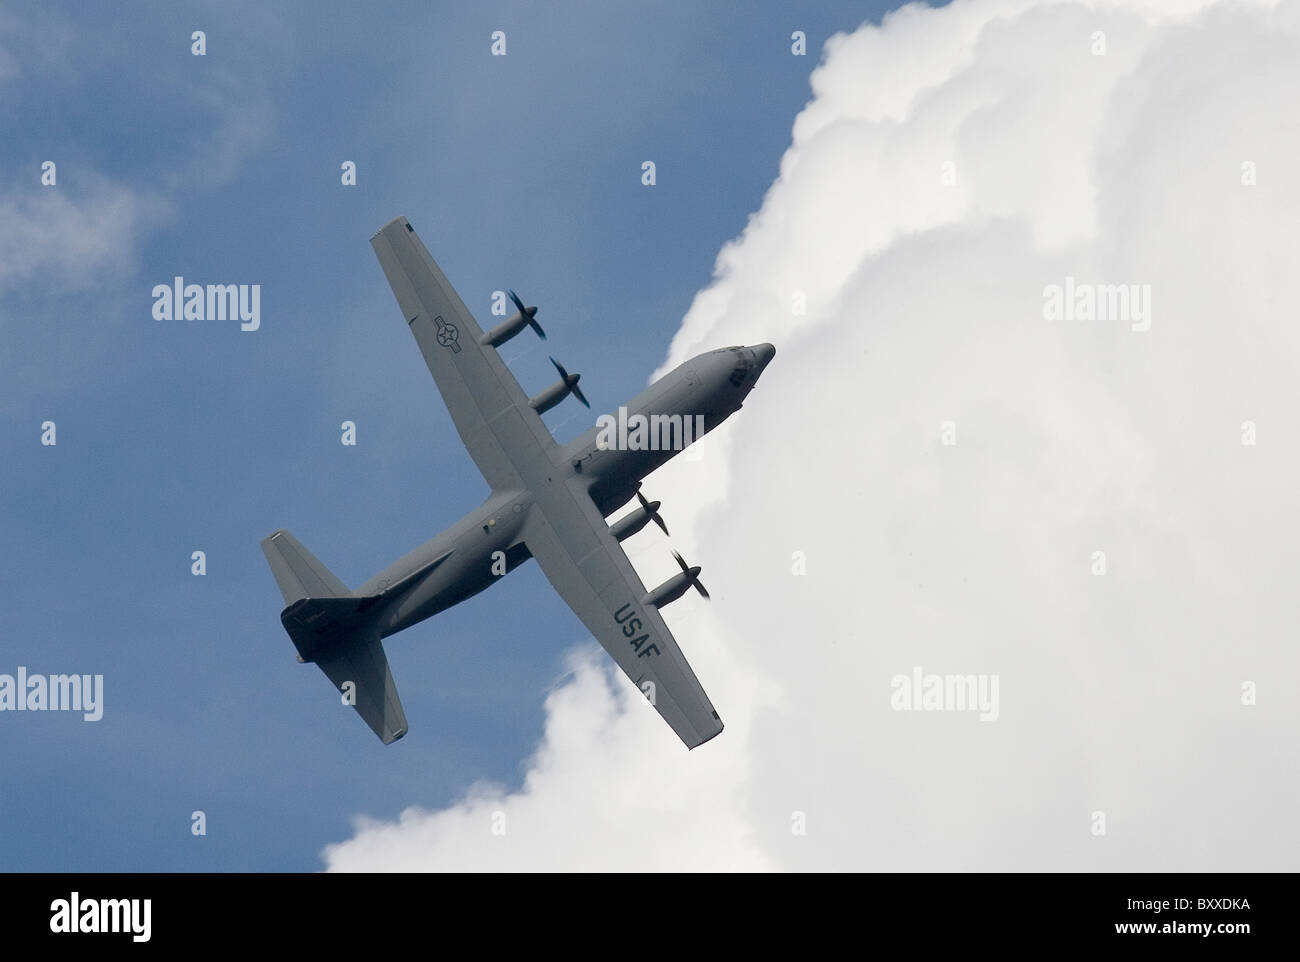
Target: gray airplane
547	502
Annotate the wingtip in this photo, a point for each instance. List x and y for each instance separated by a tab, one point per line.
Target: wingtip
399	221
394	736
711	737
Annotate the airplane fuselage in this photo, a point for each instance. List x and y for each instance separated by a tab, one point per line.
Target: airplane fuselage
486	544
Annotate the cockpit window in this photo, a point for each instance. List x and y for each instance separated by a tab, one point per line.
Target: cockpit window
741	370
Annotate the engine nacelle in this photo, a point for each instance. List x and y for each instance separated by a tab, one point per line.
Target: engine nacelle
557	392
552	396
624	528
634	522
507	328
672	589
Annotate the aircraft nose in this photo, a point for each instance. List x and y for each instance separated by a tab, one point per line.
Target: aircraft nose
763	354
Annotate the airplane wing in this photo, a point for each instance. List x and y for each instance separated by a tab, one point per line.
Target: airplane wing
490	410
585	563
565	531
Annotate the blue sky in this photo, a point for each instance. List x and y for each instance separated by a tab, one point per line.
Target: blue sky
522	171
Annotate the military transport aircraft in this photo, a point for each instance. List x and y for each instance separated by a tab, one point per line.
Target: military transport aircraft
547	502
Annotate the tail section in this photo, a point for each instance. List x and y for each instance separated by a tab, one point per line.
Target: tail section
336	630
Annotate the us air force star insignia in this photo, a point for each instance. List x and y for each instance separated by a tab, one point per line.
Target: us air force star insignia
448	334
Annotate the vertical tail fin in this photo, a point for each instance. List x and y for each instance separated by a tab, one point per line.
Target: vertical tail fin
336	631
297	571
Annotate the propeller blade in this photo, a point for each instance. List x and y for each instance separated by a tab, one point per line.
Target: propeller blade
695	578
572	381
532	317
652	509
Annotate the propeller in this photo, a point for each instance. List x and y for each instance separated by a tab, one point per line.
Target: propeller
652	509
695	576
571	380
528	312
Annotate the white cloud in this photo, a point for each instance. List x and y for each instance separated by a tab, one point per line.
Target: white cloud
90	225
638	806
71	237
241	124
1118	693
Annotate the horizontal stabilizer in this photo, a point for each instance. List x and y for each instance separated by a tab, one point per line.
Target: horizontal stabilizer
364	664
339	636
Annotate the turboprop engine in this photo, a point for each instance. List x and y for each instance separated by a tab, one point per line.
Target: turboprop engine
676	586
557	392
526	316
